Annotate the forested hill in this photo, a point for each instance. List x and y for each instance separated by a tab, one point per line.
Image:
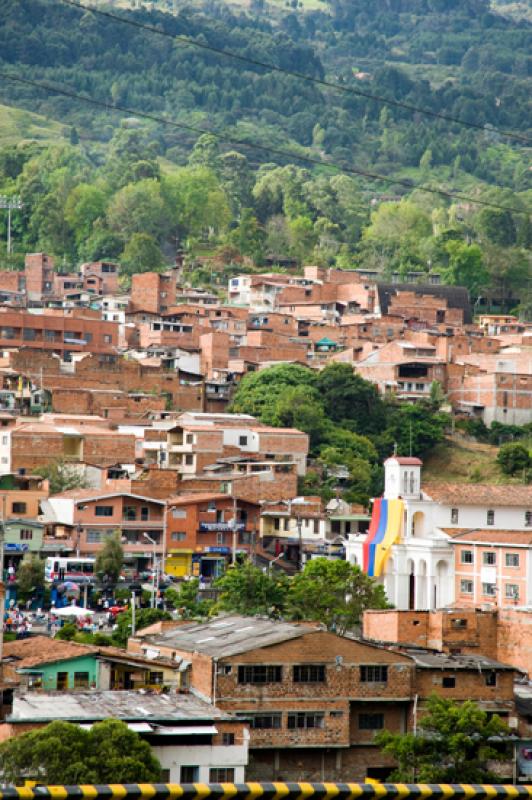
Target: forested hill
452	56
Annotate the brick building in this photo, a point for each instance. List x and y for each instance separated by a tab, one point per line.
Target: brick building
206	531
504	634
153	292
93	515
61	332
314	700
33	443
100	277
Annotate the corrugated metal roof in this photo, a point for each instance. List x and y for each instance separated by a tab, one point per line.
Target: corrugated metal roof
125	705
228	636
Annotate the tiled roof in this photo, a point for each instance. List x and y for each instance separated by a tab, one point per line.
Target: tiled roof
502	537
38	650
478	494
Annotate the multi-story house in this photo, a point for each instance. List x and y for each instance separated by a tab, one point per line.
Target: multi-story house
493	566
412	540
61	332
314	700
405	368
100	277
193	740
207	531
196	440
76	439
93	515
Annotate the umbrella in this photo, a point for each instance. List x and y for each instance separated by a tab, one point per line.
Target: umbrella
73	611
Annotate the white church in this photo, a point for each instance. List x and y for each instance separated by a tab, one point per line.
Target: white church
409	546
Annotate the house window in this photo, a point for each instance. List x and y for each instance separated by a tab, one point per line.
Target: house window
309	673
18	508
155	678
265	721
94	537
466	587
512	559
221	775
448	682
145	513
242	441
189	460
489	558
178	536
490	517
81	680
26	533
228	739
189	438
454	516
528	519
107	338
370	722
459	623
374	673
103	511
130	513
491	678
305	720
260	673
466	557
511	591
189	774
488	589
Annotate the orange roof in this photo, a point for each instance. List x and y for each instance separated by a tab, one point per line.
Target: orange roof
495	537
478	494
43	650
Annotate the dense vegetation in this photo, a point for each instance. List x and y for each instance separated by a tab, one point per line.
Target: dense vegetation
348	422
132	189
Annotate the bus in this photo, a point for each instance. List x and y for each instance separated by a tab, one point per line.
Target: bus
69	568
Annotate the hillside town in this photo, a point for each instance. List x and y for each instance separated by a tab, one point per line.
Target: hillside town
118	425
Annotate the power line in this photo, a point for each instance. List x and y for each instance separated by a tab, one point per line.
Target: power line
254	146
300	75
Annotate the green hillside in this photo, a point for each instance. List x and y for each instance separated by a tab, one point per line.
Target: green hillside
18	126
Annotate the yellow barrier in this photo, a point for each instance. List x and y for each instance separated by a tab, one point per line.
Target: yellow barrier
269	791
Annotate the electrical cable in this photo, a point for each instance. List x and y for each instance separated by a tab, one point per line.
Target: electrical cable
301	75
254	146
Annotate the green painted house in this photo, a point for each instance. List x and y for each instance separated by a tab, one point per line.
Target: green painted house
40	662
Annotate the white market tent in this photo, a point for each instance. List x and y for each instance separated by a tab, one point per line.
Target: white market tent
73	611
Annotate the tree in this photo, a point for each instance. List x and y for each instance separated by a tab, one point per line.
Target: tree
466	267
347	396
141	254
246	589
258	392
513	457
454	744
187	601
333	592
415	429
30	575
61	476
139	208
143	618
63	753
110	559
498	225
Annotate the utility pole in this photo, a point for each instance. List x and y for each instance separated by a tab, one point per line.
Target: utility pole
233	544
299	523
13	203
2	584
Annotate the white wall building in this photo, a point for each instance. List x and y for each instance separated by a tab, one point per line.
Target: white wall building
419	567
